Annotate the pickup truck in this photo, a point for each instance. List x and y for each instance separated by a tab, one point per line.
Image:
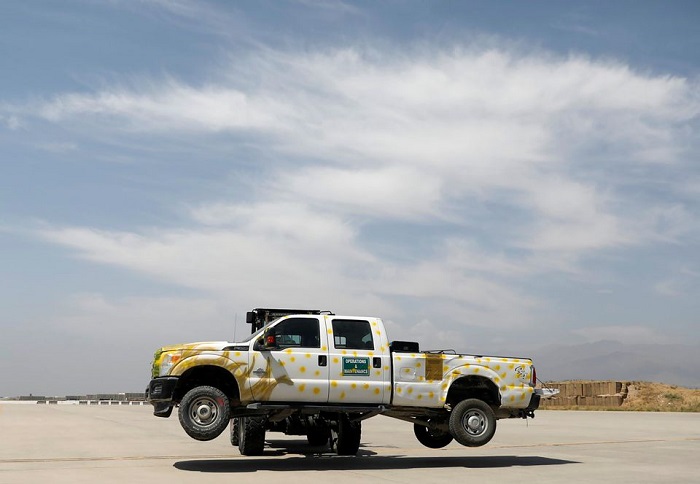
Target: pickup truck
314	373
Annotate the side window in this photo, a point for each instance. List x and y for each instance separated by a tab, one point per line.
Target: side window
297	332
351	334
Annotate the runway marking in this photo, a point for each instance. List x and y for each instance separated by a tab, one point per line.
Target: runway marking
230	456
598	442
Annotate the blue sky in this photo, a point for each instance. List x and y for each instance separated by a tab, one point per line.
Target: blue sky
486	176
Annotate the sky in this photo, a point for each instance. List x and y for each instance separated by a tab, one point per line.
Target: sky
487	176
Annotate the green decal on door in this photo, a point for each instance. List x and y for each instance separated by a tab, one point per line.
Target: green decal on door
355	366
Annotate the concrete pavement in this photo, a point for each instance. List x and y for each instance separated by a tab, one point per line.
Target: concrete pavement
77	444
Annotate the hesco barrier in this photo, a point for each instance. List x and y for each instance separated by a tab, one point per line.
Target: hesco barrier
93	399
586	394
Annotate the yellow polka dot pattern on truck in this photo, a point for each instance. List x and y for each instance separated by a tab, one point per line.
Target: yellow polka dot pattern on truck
425	379
420	379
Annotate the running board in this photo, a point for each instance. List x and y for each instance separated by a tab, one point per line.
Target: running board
262	408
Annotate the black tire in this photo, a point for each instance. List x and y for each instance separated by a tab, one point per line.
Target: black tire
234	431
318	436
346	440
251	435
204	412
472	422
432	437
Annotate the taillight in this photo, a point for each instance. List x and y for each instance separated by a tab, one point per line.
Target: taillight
533	380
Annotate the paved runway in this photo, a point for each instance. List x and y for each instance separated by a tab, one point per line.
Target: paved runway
80	444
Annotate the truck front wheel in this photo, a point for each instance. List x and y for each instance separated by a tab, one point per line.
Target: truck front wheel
204	412
432	436
472	422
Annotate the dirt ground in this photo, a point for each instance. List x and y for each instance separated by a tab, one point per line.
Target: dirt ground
659	397
643	397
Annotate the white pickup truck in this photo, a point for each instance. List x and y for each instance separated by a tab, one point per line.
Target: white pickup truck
313	373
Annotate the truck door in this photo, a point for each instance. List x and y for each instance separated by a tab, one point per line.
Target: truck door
296	368
359	361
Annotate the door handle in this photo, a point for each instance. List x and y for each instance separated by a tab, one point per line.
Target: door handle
377	362
322	360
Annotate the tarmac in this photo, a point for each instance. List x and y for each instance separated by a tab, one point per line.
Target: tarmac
80	444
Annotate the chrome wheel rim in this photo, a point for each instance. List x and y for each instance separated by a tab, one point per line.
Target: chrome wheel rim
204	411
475	422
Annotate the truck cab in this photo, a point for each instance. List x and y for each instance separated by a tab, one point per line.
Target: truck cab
320	358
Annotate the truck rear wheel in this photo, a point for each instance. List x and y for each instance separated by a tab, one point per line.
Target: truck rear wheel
432	437
472	422
346	440
251	435
204	412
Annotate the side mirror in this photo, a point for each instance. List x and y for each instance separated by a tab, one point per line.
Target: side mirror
270	341
266	342
250	317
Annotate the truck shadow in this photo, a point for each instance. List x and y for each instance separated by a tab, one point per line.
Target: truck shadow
366	460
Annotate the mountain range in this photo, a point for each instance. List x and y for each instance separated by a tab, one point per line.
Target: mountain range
674	364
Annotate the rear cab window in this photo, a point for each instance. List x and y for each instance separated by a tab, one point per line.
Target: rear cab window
352	334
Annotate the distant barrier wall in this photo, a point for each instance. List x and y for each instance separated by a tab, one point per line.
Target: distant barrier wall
586	394
93	399
91	402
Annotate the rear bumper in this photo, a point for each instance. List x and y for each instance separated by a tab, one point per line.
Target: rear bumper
547	392
160	393
534	403
539	394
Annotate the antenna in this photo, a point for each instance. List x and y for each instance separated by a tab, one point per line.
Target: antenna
235	324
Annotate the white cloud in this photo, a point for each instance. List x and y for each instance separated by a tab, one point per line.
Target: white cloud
562	199
682	283
12	122
338	6
455	294
170	107
454	126
573	217
519	165
288	252
392	192
181	7
578	235
249	262
64	147
668	223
